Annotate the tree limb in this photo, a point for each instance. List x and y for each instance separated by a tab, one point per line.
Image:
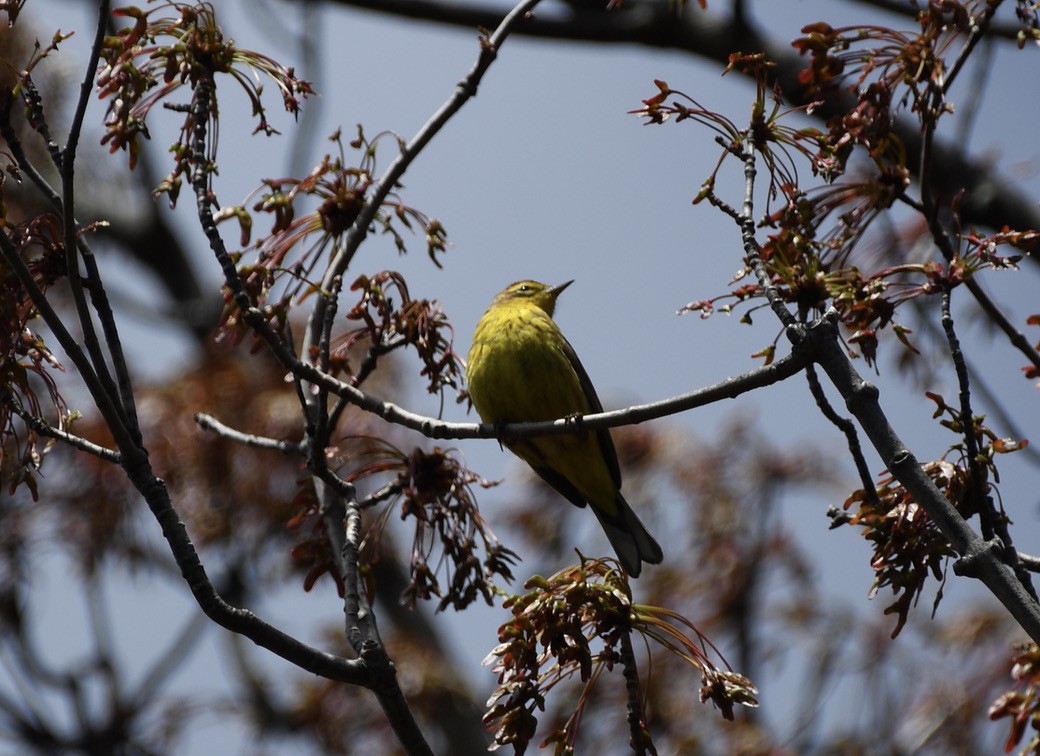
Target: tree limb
990	199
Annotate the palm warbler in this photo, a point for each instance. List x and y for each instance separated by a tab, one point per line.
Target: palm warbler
522	369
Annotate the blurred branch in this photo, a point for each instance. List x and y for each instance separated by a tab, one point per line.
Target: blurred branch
907	10
170	661
971	445
1015	337
990	199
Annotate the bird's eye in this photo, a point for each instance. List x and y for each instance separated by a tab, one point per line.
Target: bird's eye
525	288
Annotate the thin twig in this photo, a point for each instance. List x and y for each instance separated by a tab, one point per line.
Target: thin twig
285	446
26	166
746	219
318	404
978	31
847	427
67	168
967	418
44	428
103	399
388	491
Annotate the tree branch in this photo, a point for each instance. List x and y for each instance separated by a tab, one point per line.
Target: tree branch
730	388
990	199
848	428
210	423
46	429
978	557
241	621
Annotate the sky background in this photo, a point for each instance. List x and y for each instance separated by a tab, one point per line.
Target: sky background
544	175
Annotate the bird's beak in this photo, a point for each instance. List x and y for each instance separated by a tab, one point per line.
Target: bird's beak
557	290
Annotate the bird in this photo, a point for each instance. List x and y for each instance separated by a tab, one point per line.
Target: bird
521	368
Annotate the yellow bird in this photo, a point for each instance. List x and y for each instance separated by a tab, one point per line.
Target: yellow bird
522	369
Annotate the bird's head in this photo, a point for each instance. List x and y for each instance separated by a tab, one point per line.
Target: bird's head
540	295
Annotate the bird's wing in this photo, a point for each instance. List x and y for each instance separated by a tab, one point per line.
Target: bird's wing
563	486
606	443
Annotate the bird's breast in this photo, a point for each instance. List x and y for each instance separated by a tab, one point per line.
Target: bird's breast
518	370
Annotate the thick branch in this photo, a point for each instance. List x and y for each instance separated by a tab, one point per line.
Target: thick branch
978	557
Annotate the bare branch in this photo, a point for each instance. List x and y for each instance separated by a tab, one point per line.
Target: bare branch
210	423
170	661
430	427
241	621
103	399
46	429
1015	337
746	220
847	427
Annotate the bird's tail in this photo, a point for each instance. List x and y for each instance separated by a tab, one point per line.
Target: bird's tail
630	539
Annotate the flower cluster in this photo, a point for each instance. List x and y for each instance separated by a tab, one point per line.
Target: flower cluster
577	623
146	62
